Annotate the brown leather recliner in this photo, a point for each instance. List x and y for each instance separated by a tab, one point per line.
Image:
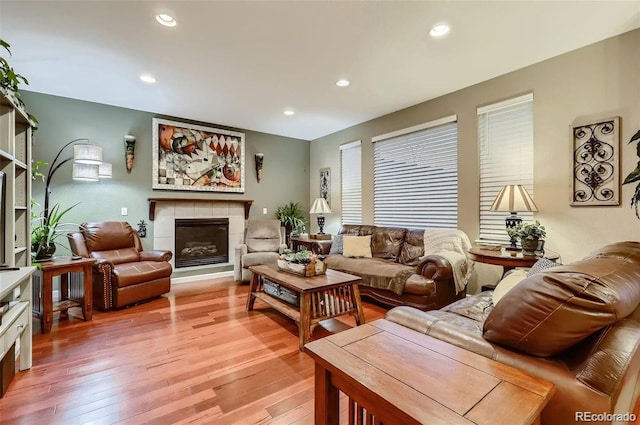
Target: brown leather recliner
124	273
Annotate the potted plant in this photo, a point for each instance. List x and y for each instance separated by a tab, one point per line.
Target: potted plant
10	80
529	235
46	230
291	217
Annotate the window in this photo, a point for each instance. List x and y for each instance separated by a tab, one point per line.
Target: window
505	134
415	176
351	181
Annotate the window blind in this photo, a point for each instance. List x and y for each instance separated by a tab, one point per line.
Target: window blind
505	135
415	177
351	182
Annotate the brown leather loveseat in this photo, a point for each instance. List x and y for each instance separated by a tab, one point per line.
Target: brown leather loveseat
396	271
575	325
124	273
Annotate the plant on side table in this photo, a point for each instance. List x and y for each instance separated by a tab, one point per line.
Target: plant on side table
529	235
291	216
46	230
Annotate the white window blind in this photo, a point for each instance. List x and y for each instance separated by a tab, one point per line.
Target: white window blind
505	134
415	176
351	182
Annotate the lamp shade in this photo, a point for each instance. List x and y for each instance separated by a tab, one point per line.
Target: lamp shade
105	170
86	153
513	197
320	206
85	172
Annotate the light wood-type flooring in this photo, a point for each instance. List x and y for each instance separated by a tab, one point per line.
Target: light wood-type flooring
194	356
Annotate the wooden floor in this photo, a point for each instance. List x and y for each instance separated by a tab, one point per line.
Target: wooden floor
194	356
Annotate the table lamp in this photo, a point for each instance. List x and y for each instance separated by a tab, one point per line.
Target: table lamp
513	198
320	207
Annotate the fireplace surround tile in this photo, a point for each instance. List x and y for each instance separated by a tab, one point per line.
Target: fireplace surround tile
185	209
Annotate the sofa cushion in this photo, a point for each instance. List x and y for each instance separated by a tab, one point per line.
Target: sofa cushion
386	242
258	258
507	283
107	235
357	246
412	248
551	311
375	272
542	265
350	229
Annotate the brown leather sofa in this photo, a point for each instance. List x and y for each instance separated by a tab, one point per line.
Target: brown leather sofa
124	273
576	325
398	272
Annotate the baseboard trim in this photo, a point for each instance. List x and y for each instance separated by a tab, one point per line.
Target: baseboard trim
185	279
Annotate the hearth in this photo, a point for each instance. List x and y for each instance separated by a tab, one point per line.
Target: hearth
201	241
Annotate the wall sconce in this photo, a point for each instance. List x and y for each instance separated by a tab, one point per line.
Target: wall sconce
259	161
129	148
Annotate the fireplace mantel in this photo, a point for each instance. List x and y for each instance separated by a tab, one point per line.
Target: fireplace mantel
152	204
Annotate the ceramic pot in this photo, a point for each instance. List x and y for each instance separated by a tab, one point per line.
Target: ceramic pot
43	252
529	246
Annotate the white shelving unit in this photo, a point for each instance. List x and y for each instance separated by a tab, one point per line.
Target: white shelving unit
15	162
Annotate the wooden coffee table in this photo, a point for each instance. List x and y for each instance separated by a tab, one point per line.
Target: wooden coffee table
393	374
321	297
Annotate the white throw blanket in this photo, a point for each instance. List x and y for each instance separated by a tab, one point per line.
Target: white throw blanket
453	246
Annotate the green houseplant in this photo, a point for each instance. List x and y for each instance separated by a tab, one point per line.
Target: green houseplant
291	216
10	80
529	236
45	232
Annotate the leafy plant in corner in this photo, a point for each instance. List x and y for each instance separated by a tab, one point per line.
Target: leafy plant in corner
11	80
45	232
634	176
291	216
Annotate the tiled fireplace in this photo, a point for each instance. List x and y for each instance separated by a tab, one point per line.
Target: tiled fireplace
167	212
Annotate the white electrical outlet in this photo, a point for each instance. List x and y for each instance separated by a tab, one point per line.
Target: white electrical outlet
264	211
124	211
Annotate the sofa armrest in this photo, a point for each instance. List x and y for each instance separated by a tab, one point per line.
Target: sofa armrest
156	255
435	267
321	247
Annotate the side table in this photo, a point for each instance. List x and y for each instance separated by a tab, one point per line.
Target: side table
507	259
299	244
43	306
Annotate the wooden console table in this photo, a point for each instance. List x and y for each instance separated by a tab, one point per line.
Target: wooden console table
393	374
77	297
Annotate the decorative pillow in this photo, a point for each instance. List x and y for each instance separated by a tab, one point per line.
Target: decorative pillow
357	246
337	245
542	265
508	282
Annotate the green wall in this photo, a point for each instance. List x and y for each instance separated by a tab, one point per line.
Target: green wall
285	177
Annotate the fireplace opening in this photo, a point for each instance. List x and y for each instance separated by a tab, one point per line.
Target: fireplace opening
201	241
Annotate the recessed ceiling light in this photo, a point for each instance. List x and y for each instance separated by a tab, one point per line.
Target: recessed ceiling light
439	30
342	83
166	20
147	78
288	112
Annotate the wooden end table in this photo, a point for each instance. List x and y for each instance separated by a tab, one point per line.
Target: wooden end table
507	259
299	244
43	306
321	297
393	374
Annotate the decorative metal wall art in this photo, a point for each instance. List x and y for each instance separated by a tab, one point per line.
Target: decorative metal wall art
142	229
325	184
596	163
259	157
634	176
194	157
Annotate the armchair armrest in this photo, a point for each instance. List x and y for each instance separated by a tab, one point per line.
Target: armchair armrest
282	247
241	249
156	255
321	247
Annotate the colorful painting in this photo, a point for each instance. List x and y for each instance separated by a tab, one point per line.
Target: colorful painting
194	157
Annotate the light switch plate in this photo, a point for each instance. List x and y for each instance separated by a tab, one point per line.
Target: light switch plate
124	211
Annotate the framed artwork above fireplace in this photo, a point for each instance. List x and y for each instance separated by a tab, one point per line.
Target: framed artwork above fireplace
198	158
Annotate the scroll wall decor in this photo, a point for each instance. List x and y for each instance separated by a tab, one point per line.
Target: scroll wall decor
596	163
194	157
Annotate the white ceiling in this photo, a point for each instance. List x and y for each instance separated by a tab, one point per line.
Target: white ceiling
241	63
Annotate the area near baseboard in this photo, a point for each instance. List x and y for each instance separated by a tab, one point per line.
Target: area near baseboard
185	279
